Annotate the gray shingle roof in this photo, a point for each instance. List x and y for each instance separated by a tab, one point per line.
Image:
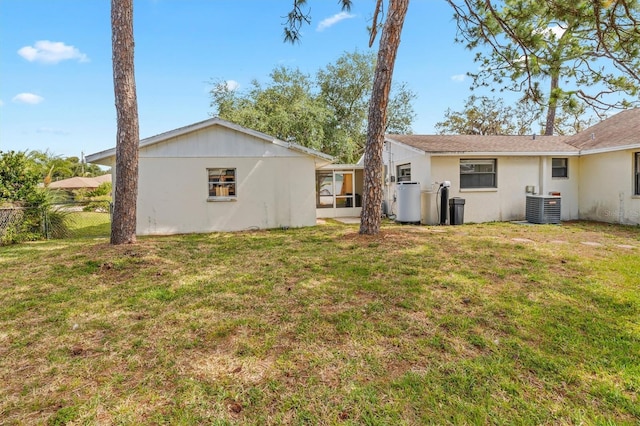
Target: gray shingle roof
620	130
485	143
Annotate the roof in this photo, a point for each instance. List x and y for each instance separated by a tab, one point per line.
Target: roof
80	182
616	132
621	131
487	144
216	121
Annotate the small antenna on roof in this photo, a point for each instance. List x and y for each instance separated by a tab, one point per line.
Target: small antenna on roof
593	136
533	136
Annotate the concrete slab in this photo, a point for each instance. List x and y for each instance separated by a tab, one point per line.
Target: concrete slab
348	220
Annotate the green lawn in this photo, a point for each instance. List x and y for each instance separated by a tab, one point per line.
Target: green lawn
89	224
473	324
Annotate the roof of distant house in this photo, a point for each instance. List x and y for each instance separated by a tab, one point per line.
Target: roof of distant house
78	182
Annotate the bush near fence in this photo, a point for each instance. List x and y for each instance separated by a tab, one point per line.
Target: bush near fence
91	219
11	219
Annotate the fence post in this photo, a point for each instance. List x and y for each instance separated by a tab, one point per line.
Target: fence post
45	223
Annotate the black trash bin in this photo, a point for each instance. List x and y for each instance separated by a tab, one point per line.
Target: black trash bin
456	211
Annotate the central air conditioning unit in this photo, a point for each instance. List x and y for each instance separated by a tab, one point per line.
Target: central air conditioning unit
543	208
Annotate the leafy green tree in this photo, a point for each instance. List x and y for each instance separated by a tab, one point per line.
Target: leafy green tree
328	114
285	108
586	52
53	167
19	179
20	186
345	88
488	116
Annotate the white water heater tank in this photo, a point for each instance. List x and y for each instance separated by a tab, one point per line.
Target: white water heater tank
408	202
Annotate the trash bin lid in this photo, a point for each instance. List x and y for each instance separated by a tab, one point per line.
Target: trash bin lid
456	200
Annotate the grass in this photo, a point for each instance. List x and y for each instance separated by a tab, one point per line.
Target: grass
89	224
474	324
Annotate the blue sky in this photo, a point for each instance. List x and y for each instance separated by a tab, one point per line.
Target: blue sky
56	87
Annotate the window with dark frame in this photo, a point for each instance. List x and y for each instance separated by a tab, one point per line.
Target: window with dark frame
222	183
478	173
404	173
637	173
559	167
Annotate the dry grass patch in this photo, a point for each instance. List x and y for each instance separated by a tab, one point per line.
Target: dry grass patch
492	323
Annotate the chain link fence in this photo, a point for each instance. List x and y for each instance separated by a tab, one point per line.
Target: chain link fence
89	219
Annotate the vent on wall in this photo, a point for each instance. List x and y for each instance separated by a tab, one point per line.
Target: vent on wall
543	208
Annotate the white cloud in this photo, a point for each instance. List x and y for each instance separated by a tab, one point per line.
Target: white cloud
1	103
332	20
458	77
27	98
232	85
557	31
51	52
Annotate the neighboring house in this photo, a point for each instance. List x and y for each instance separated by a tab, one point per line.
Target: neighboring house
596	172
217	176
78	182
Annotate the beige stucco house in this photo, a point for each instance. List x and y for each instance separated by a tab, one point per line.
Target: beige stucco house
217	176
596	172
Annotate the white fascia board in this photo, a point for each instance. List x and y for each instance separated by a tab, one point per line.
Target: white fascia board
610	149
303	149
405	146
343	167
208	123
159	138
506	154
95	157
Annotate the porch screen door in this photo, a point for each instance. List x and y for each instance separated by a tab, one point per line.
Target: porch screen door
344	189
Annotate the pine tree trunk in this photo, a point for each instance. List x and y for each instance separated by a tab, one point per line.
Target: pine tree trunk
373	166
123	224
552	107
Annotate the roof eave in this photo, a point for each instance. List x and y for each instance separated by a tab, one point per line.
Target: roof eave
303	149
404	145
208	123
609	149
505	153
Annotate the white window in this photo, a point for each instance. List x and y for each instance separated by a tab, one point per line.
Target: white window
404	173
559	167
478	173
222	183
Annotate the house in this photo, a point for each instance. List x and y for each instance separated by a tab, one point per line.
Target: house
596	172
217	176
